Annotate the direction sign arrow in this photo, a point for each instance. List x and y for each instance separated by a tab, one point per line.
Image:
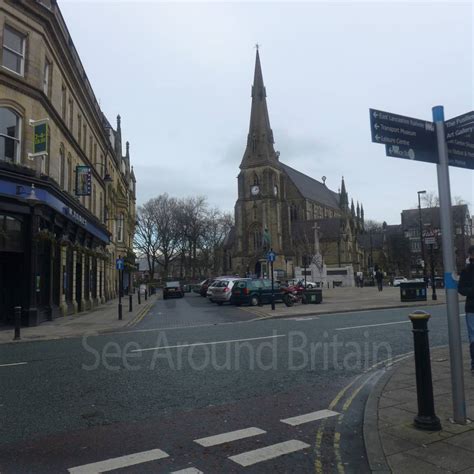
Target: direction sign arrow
458	157
393	129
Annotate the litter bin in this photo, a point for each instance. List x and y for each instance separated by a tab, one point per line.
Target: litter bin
313	296
413	291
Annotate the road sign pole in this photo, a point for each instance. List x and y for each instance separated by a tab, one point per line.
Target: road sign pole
452	302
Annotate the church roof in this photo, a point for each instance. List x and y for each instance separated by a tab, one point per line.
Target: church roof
311	188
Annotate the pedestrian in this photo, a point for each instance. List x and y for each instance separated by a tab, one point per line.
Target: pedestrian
379	278
466	288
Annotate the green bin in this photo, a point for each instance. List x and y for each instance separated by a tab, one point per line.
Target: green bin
313	296
412	291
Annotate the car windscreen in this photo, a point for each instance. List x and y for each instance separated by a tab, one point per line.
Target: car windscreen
172	284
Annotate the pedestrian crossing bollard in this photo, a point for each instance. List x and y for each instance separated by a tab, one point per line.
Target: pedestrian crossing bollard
17	310
146	294
130	303
139	297
426	418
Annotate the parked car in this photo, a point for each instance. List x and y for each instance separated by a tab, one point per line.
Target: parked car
172	289
210	289
254	292
204	286
222	290
398	280
309	284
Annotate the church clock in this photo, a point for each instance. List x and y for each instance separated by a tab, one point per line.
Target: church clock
255	190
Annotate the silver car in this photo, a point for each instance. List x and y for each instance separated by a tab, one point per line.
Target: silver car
211	288
222	290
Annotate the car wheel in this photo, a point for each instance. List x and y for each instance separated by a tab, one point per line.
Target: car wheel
220	303
254	300
237	304
165	297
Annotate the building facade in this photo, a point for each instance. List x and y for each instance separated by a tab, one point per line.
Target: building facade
283	209
57	249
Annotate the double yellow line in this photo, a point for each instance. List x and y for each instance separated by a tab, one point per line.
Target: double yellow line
140	316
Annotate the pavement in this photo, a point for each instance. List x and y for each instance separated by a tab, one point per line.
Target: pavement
392	442
101	319
342	299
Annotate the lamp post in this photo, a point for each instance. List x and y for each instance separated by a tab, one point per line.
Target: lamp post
422	244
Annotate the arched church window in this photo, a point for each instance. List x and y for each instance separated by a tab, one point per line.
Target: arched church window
256	239
255	179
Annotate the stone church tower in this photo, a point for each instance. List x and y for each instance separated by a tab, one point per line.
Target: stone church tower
280	208
259	222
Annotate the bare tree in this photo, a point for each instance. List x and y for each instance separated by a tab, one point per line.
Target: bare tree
146	236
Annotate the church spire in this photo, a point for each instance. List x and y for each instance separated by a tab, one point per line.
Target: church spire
259	148
344	198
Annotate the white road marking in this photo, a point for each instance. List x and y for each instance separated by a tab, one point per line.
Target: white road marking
117	463
16	363
315	415
208	343
269	452
189	470
229	436
373	325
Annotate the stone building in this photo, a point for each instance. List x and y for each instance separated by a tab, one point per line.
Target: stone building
57	249
283	209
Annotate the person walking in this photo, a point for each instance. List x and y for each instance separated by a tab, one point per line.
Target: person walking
379	279
466	288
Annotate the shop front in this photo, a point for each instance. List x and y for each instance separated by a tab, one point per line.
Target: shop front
52	251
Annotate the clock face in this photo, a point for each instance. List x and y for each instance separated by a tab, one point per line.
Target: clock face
255	189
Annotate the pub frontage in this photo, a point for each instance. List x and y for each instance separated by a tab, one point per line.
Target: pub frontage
53	251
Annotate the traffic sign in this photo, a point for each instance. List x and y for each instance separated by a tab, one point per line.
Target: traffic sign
271	256
393	129
460	154
461	126
119	263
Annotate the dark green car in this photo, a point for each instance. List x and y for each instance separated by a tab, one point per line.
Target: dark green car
254	292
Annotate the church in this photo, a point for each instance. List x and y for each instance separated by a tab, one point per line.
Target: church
281	208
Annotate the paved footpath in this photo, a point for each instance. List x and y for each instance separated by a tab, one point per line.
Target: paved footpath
102	319
394	445
342	299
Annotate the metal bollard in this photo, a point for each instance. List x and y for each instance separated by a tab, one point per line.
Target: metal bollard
120	311
146	294
130	303
139	297
426	418
17	336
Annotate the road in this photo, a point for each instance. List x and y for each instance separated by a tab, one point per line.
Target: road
197	386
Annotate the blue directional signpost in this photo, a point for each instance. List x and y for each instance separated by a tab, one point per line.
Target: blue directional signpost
271	256
445	143
120	265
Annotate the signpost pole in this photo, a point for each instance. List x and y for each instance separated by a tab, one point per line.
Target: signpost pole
452	302
273	286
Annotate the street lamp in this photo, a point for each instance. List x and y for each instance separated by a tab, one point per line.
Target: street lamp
422	244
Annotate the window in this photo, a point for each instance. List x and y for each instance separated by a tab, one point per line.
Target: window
46	77
101	207
62	167
95	152
69	174
120	228
10	132
94	200
90	147
71	114
84	136
13	50
257	240
79	128
63	101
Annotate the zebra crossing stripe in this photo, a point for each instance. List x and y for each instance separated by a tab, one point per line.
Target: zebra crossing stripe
313	416
117	463
229	436
269	452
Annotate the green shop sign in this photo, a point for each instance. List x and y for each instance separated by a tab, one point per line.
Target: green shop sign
41	138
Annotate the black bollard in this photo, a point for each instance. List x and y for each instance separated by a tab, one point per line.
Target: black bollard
120	311
17	323
426	418
139	297
130	303
146	294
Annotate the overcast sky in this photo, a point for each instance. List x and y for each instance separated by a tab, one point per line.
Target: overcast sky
180	76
